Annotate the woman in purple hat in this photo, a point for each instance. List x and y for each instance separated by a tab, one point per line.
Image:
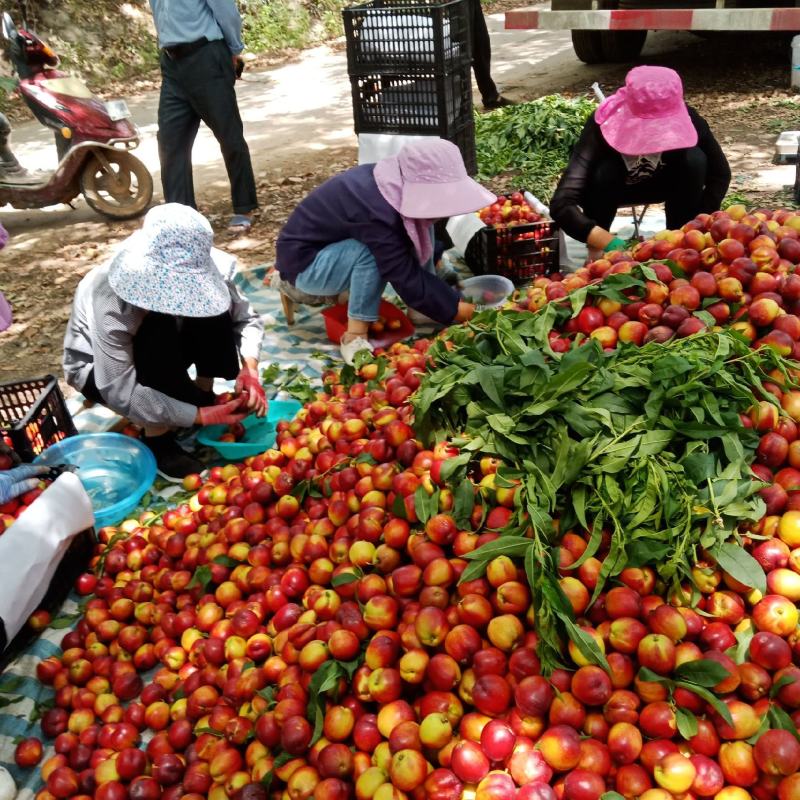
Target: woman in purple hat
373	225
643	144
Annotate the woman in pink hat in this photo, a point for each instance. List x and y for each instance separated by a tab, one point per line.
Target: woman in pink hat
643	144
372	225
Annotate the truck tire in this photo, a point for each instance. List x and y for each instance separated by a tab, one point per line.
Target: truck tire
621	46
599	47
588	46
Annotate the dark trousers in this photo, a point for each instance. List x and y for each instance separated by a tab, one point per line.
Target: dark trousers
482	54
200	87
165	347
679	184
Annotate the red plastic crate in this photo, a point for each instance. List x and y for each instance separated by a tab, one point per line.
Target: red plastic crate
336	324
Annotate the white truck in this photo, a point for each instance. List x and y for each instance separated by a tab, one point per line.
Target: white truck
615	30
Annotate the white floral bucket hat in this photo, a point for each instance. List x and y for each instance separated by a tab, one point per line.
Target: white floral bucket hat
169	265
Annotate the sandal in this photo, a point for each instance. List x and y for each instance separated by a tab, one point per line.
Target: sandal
240	223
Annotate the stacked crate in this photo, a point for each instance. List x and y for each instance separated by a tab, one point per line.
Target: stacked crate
409	64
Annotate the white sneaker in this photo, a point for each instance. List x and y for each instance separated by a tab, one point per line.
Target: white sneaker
349	349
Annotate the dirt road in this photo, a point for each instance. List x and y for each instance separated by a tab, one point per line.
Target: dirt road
298	122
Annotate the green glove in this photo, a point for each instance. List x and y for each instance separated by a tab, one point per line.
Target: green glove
615	244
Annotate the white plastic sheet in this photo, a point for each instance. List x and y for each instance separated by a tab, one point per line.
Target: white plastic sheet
32	548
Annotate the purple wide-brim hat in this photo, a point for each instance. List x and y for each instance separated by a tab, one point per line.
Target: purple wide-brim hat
433	180
648	114
170	266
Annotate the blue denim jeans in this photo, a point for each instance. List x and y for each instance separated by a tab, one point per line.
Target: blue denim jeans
347	265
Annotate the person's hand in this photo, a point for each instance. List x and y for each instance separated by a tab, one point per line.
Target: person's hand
238	66
18	480
224	414
248	385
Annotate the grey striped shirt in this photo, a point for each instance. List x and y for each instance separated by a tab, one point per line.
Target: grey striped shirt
100	334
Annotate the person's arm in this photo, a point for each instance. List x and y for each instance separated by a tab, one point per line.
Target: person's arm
112	335
570	192
247	324
230	22
250	329
421	290
718	171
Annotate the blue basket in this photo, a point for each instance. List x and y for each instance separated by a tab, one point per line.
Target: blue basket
259	433
115	470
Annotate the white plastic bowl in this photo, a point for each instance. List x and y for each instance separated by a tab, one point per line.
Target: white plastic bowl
488	291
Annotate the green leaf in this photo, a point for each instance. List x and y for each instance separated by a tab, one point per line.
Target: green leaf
453	465
399	507
780	720
741	649
464	502
611	796
201	578
784	680
512	546
280	760
212	731
762	728
226	561
39	708
699	467
686	721
344	578
586	645
65	621
9	701
710	698
703	672
740	565
705	317
422	505
649	676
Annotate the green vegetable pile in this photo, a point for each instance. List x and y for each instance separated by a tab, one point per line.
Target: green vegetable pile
528	145
642	443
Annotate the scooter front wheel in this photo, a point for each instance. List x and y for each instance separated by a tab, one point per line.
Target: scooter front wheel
116	184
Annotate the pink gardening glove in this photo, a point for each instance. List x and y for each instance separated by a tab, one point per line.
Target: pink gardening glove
248	385
225	414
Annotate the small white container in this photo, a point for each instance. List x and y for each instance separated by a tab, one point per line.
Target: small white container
487	291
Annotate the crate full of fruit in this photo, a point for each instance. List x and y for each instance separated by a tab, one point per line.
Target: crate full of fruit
516	241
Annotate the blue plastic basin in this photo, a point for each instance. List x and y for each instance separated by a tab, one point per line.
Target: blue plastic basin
259	433
115	470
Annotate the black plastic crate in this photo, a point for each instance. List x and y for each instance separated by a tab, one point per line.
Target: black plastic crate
33	415
519	253
402	36
419	104
464	138
74	562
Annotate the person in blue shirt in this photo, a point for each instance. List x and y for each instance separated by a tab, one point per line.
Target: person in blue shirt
201	43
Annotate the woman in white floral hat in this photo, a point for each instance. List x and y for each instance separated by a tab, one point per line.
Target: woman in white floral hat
165	302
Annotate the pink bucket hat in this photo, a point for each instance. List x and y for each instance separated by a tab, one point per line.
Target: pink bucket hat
648	114
431	180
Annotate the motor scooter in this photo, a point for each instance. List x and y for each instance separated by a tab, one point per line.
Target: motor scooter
93	138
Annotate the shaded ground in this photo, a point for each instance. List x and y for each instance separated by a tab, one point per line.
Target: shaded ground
739	83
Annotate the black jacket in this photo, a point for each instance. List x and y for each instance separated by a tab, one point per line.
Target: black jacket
592	148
